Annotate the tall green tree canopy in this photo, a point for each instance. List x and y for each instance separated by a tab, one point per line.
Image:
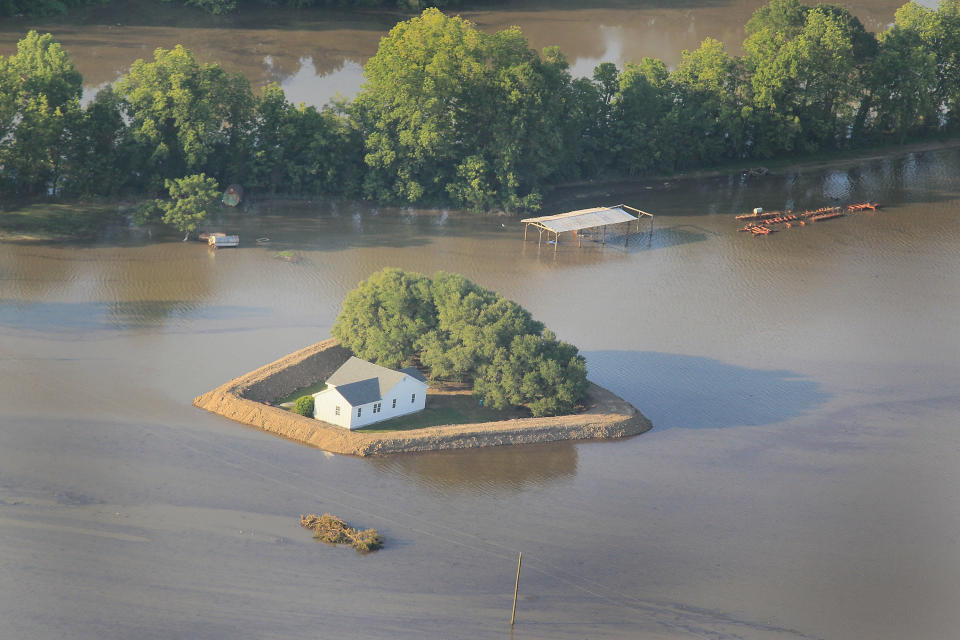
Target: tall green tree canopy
186	117
450	112
192	199
806	65
39	101
939	31
384	318
302	149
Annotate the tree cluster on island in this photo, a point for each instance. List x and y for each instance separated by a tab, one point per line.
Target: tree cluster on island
450	115
460	331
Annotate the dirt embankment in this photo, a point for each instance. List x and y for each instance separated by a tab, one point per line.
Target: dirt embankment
242	399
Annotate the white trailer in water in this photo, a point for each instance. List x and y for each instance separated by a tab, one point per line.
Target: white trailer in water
218	240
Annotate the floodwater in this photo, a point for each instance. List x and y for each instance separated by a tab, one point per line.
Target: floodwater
318	54
800	480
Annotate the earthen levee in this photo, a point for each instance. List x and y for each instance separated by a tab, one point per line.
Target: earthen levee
243	399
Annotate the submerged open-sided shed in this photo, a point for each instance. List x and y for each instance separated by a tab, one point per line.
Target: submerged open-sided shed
577	221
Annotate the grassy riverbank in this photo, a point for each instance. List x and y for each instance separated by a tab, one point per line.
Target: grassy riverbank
58	221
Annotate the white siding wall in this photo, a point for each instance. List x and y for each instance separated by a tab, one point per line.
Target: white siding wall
324	408
410	394
402	391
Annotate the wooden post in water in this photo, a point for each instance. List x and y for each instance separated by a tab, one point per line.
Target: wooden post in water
516	588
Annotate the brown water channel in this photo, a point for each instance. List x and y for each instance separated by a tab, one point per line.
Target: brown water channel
800	480
317	54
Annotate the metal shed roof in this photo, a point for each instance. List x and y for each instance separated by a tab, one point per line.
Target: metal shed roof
582	219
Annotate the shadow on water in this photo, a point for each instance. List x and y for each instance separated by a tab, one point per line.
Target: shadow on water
493	468
692	392
666	237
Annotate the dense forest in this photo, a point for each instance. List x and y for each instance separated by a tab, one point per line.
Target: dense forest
454	116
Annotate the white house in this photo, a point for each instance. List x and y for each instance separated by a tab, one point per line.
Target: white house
361	393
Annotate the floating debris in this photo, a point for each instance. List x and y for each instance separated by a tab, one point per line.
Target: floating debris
288	256
332	530
788	218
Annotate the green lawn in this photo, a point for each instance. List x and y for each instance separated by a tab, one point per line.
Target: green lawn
57	221
446	409
306	391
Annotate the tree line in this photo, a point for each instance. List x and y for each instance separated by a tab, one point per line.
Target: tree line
40	8
450	115
460	331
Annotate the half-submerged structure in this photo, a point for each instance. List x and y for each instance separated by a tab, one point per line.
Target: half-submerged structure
361	393
583	219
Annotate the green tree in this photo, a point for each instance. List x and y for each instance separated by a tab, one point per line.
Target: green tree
192	199
806	68
472	323
299	149
639	111
537	371
902	83
708	105
186	117
939	31
383	319
39	103
99	152
448	112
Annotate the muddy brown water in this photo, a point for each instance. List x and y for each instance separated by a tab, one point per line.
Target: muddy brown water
799	482
316	55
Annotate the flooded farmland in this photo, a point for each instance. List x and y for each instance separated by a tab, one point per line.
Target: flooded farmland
799	481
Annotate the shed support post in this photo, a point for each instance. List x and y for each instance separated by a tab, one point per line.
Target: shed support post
541	239
556	242
604	241
525	227
626	240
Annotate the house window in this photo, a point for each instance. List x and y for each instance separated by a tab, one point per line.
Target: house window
394	404
336	410
376	407
413	398
359	409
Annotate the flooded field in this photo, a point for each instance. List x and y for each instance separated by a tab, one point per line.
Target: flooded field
317	54
799	482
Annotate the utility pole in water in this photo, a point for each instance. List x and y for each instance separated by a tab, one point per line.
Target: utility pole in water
516	588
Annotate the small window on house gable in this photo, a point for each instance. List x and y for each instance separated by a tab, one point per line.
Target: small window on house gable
376	407
413	398
359	409
336	410
394	404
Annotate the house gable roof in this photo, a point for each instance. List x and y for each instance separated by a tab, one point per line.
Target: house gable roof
360	392
362	382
